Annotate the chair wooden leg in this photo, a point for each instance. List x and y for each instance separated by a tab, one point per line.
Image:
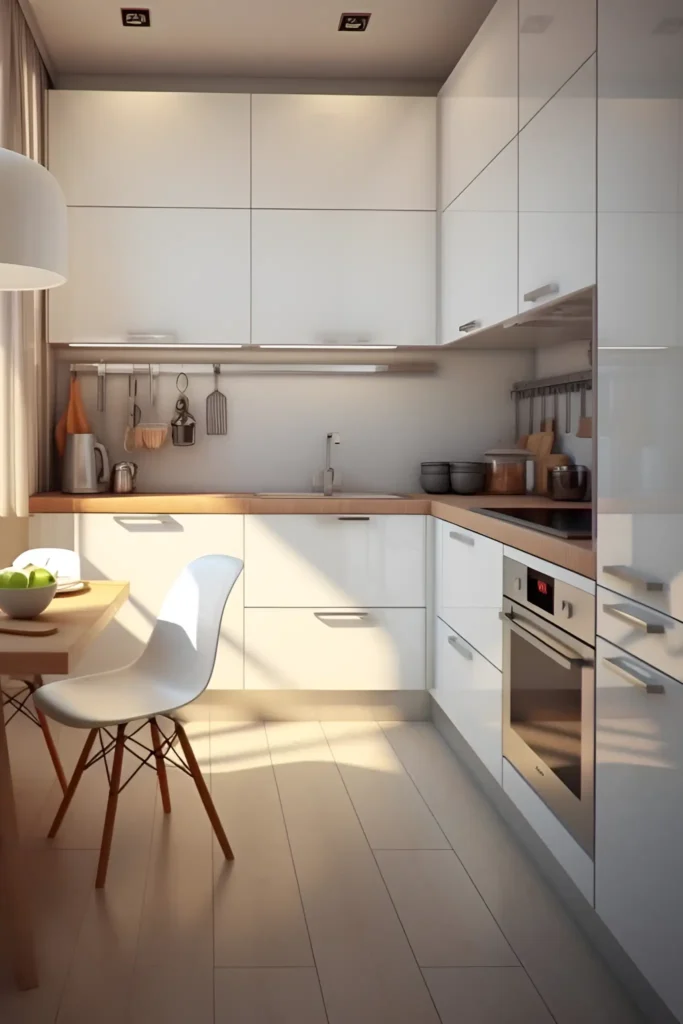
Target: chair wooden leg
52	750
161	766
71	788
112	803
204	792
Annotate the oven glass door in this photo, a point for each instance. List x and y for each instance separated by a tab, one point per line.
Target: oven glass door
550	715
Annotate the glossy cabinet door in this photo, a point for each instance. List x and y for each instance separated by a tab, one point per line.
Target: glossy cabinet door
469	689
324	277
639	826
329	649
478	103
555	38
111	148
640	302
332	561
469	588
154	271
344	152
478	264
149	551
557	194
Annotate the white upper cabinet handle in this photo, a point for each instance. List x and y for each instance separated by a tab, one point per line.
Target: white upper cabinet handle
541	293
471	325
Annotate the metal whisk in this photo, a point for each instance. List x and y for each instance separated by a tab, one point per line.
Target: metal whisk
216	407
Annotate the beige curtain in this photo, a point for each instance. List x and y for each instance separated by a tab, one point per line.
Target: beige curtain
24	384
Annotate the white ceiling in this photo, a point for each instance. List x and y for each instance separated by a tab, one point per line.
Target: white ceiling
406	39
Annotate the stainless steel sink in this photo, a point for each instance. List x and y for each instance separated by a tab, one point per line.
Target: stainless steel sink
318	494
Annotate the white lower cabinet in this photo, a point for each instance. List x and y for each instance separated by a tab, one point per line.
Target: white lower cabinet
639	825
469	587
360	649
470	691
149	551
335	561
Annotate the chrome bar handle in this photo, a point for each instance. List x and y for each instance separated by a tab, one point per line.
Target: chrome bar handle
464	652
353	519
462	537
627	672
641	620
471	325
630	575
541	293
539	640
341	615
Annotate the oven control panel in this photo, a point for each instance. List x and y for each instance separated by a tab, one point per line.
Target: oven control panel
568	607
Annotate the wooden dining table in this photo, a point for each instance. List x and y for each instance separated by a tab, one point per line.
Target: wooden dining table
78	618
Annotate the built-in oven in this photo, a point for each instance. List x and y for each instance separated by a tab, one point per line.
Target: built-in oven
549	693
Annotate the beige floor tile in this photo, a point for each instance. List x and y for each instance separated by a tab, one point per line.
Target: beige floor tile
367	971
486	995
539	929
98	986
259	920
446	921
393	814
289	995
173	973
61	882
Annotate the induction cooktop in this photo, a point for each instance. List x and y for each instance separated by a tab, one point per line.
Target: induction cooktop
569	523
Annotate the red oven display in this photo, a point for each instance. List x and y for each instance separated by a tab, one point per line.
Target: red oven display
540	591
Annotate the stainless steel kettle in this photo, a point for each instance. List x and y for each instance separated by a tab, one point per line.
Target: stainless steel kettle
123	477
79	471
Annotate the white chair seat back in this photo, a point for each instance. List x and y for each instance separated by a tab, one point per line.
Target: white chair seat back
182	648
62	563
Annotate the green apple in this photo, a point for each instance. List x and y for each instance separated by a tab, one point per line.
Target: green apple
40	578
13	579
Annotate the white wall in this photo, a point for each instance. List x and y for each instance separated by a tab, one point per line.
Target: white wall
277	425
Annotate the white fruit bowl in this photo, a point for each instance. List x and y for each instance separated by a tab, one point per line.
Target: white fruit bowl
26	604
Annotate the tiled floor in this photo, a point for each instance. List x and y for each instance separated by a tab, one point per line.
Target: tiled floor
373	884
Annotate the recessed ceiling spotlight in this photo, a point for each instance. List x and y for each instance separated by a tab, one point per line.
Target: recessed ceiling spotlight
135	17
535	24
668	27
353	22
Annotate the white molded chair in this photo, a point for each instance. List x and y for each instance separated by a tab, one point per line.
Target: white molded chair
173	670
63	564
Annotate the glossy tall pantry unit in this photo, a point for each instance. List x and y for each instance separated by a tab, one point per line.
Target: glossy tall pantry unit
639	767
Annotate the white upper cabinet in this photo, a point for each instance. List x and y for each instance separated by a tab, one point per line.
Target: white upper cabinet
343	277
557	193
479	251
344	152
640	308
478	104
555	38
113	148
154	271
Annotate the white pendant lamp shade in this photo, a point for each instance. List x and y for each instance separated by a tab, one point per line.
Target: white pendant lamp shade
33	233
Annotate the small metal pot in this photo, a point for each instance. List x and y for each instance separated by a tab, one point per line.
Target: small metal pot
568	483
184	425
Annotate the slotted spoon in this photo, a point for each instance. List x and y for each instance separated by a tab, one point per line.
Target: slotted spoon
216	407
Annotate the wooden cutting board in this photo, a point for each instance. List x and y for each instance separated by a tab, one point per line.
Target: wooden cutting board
27	627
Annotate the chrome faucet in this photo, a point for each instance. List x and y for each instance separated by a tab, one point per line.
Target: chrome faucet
328	475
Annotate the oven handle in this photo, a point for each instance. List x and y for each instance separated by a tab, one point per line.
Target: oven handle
538	639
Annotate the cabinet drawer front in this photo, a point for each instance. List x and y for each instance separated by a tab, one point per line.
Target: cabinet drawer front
469	578
470	691
331	561
648	634
360	649
150	551
639	827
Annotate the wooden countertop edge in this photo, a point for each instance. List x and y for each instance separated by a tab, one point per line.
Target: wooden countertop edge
575	555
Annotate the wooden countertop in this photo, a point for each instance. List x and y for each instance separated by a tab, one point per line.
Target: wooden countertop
576	555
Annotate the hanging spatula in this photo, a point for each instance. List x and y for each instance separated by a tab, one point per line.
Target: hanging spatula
216	407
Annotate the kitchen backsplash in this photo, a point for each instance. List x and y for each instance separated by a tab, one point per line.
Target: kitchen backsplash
277	425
